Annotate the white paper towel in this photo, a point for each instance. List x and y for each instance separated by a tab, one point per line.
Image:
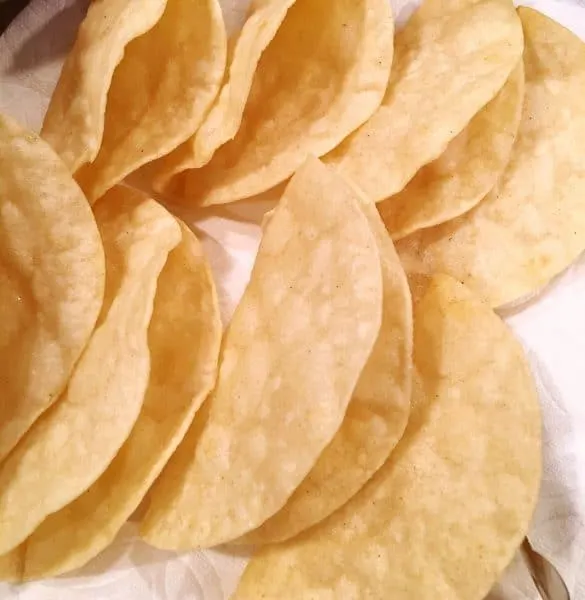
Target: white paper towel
552	328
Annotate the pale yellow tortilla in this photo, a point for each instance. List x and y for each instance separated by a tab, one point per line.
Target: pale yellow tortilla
470	167
532	225
74	123
291	358
160	92
52	276
444	516
143	76
184	337
225	116
376	416
321	77
451	59
72	444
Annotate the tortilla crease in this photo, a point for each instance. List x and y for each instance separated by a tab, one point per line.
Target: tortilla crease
450	60
53	274
313	306
72	444
376	416
322	76
224	119
74	123
444	516
470	167
184	336
532	225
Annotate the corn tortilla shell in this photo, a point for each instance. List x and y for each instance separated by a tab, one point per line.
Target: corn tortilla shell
224	118
470	167
71	445
184	337
313	307
532	225
444	516
376	416
158	98
450	60
322	76
53	274
74	123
